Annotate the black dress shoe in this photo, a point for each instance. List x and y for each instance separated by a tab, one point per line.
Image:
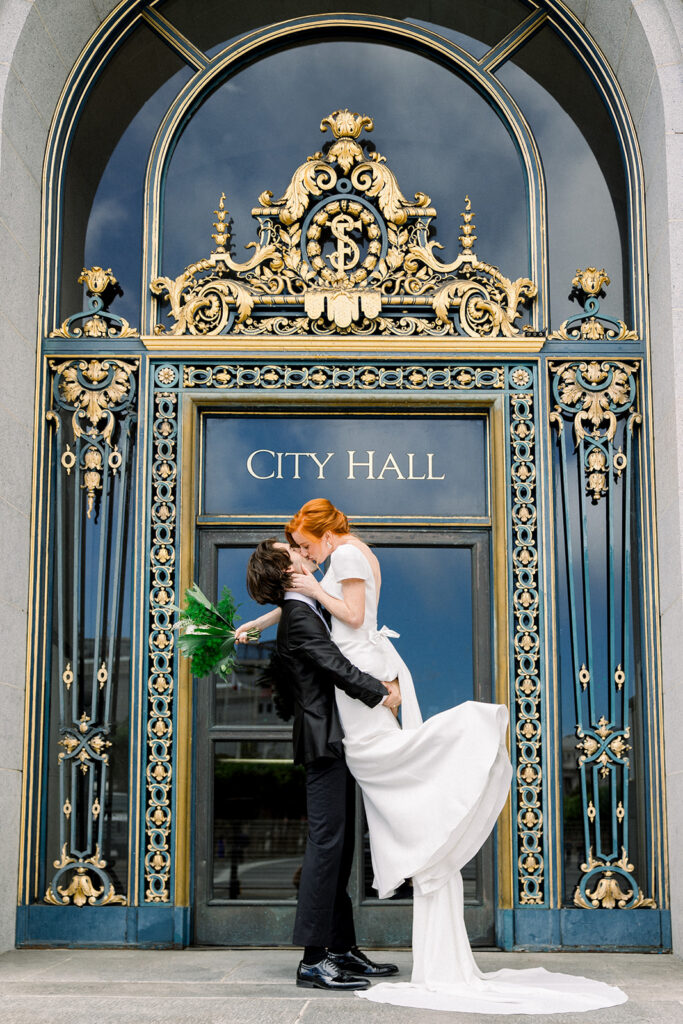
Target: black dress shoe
355	962
328	974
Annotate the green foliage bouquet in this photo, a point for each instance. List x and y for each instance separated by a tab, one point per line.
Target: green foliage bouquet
207	632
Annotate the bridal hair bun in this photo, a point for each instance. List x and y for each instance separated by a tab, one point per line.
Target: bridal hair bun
316	517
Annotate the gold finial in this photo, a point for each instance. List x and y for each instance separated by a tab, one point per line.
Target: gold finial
222	234
346	125
97	280
468	237
591	281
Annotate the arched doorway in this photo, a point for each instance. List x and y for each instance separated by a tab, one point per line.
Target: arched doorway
158	869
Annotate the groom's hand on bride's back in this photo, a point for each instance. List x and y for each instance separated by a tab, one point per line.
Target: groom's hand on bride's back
394	698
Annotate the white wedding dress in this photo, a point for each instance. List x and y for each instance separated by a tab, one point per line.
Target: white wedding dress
432	793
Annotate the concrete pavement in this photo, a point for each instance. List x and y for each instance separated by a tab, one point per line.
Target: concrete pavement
233	986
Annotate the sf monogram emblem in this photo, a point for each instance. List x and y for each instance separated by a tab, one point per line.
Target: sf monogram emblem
335	222
347	253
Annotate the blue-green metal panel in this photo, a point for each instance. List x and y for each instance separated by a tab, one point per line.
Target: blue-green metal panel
152	927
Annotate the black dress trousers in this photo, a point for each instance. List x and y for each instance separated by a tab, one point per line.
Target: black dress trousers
324	915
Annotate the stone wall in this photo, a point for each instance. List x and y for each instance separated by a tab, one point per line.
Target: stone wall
40	41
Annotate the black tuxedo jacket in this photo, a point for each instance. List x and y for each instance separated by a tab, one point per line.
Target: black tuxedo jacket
314	665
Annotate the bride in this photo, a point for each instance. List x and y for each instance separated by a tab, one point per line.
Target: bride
432	792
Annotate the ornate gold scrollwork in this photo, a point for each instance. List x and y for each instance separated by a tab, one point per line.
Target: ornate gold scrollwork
596	393
160	685
344	250
95	391
81	889
604	746
608	893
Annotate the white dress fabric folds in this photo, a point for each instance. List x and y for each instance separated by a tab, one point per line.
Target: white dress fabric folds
432	793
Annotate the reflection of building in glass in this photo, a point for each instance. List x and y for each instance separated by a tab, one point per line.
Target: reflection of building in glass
574	851
247	696
259	820
113	799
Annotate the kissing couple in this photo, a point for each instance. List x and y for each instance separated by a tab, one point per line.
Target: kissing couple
432	790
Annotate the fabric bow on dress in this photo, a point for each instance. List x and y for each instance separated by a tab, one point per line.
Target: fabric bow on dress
375	635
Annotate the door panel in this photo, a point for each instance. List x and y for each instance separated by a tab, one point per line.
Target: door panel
250	799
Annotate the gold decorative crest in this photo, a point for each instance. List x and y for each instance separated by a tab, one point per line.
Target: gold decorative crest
344	251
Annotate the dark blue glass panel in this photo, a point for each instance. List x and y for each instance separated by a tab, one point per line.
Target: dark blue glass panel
610	612
103	188
243	699
431	467
113	236
426	597
584	173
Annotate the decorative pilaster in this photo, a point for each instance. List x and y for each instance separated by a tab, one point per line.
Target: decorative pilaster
599	399
527	717
93	414
161	678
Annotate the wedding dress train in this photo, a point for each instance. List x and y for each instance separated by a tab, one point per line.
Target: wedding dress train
432	793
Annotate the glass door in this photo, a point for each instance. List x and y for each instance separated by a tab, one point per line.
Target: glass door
250	809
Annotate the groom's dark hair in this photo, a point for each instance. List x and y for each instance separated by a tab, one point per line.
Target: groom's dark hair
268	572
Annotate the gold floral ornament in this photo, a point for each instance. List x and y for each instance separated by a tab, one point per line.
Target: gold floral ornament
344	250
96	392
96	322
592	325
604	746
81	889
596	394
94	389
608	878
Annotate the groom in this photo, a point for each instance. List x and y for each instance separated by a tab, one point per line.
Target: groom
313	665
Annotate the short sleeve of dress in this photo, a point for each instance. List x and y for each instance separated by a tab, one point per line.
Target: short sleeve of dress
348	563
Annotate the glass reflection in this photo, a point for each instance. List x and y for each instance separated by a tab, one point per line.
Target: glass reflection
259	821
474	26
426	597
586	189
102	218
437	133
246	697
603	611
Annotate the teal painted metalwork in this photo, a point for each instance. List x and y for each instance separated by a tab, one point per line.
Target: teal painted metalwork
592	325
94	404
161	682
601	399
97	321
153	707
526	646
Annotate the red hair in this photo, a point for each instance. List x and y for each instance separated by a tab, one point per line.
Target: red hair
315	518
